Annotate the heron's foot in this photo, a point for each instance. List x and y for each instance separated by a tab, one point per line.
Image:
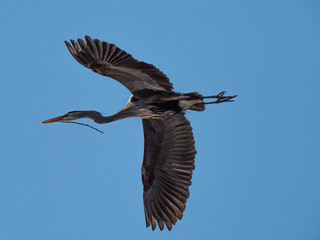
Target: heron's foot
220	98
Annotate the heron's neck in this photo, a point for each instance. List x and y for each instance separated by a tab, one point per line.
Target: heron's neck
98	118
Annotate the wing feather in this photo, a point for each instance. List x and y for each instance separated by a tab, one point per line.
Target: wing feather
109	60
99	48
167	168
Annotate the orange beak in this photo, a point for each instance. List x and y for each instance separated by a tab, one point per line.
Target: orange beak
56	119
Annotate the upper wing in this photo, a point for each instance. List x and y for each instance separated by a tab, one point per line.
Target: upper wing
168	162
111	61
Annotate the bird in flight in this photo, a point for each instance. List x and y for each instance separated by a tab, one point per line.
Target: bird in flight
169	150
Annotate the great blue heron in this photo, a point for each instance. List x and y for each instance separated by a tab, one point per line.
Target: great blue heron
169	150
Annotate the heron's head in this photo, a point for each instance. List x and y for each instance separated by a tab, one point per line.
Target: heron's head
73	115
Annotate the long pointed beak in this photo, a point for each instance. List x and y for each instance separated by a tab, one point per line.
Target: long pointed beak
56	119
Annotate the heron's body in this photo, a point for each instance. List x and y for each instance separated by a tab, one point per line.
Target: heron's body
169	150
161	105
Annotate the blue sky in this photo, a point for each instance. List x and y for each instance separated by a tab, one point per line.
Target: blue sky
257	167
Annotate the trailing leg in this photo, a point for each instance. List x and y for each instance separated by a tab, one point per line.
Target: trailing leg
220	98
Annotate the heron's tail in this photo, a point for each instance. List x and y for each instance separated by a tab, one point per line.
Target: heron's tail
198	107
194	101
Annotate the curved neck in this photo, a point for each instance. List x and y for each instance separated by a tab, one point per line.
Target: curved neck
98	118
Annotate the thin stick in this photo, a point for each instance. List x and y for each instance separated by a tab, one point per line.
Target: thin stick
87	125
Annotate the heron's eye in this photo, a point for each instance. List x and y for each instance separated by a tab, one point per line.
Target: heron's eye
134	99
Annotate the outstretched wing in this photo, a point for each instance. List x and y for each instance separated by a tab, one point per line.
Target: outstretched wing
168	162
109	60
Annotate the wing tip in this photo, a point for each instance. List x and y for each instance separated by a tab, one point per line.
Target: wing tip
88	38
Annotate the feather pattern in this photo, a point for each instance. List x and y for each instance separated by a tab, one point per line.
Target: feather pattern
109	60
167	168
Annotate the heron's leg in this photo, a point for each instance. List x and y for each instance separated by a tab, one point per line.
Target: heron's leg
220	98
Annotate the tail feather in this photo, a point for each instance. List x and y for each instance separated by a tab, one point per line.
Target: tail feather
198	107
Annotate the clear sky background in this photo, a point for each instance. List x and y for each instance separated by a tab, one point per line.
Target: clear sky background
258	161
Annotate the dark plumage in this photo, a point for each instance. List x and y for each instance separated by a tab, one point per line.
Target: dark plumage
169	150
